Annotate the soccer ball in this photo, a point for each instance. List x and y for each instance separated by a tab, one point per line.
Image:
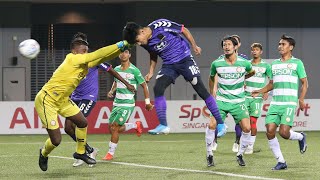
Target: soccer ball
29	48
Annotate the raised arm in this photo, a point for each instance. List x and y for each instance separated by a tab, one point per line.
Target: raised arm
191	40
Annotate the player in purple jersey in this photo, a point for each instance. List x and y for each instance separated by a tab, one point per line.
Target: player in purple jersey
164	38
85	96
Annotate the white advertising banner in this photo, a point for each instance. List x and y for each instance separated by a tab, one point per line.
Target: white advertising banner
191	116
183	116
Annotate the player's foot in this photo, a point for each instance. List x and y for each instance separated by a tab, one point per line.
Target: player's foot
139	128
240	160
222	129
303	143
108	157
160	129
43	161
84	157
210	161
249	150
280	166
77	162
93	155
214	146
235	147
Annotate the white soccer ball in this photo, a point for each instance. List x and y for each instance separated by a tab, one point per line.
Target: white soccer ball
29	48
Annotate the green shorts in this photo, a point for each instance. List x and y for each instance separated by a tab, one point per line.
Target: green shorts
120	114
281	114
254	106
237	110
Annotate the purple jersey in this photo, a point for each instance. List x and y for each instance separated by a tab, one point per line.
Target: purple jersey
89	86
167	41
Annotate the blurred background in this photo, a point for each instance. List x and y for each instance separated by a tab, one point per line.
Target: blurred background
53	22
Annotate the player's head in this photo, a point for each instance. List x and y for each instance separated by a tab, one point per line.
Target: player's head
286	44
79	43
256	50
134	33
125	56
229	45
237	37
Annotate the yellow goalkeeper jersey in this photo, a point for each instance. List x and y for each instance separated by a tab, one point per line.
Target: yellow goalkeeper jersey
74	68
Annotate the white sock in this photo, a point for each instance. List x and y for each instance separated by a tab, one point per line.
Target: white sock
210	134
295	136
252	140
244	142
130	126
112	147
275	148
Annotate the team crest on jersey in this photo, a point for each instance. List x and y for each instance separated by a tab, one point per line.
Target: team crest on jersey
121	119
289	66
239	69
53	122
161	45
260	69
288	119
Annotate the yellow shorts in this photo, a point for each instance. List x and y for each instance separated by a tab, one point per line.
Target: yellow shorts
48	109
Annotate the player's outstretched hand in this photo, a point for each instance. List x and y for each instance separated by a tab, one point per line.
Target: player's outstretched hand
302	105
255	93
197	50
149	107
110	94
148	77
131	88
265	96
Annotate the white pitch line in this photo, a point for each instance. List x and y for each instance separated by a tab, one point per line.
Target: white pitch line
98	142
180	169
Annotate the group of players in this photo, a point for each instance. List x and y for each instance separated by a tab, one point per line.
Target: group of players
237	86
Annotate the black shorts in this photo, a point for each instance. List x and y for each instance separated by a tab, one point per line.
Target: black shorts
85	106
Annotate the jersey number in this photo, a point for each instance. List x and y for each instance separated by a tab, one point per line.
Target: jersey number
289	111
194	69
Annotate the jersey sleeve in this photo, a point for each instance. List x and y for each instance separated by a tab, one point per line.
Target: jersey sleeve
138	76
213	69
248	65
268	71
105	66
301	70
167	25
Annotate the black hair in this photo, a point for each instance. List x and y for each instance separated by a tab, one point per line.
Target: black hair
130	32
237	37
79	39
290	39
232	39
258	45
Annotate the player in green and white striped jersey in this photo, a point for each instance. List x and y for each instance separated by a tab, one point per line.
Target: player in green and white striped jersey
284	81
232	71
256	82
124	101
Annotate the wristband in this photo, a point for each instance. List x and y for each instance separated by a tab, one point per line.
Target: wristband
147	101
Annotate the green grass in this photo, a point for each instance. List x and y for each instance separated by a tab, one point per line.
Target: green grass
19	158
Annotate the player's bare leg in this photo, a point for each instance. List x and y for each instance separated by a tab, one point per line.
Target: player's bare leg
115	130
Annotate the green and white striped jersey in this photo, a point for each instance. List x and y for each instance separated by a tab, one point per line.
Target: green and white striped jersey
124	97
230	79
259	79
285	76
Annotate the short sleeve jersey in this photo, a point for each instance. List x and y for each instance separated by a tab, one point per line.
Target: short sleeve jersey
285	76
230	79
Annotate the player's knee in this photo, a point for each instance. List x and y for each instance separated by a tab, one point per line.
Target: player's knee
82	123
199	87
270	134
246	129
56	141
284	134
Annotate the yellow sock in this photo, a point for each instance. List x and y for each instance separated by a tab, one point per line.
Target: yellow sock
48	147
81	134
